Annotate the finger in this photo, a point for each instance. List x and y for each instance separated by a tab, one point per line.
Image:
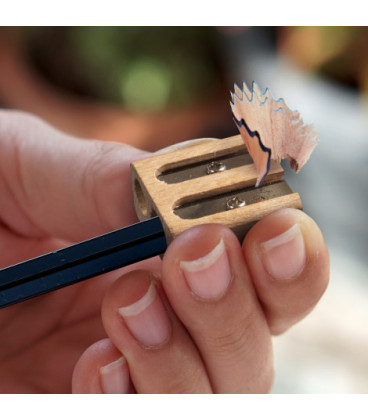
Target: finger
160	354
208	285
101	370
58	185
289	263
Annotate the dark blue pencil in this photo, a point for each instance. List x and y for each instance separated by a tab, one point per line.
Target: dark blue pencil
81	261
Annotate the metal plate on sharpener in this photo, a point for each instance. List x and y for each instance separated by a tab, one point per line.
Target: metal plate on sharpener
206	167
219	203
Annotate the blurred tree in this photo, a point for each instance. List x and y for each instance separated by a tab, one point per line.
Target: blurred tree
145	69
338	52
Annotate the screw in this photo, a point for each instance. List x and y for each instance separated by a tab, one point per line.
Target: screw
214	167
235	203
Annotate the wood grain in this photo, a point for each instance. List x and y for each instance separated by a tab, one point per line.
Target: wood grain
156	197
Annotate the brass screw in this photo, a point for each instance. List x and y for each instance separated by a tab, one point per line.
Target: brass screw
235	203
214	167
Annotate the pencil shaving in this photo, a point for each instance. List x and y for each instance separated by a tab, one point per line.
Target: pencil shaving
270	129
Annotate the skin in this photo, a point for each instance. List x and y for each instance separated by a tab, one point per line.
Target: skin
56	190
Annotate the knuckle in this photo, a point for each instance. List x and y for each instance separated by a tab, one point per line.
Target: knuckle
245	348
260	368
94	179
190	382
232	341
95	164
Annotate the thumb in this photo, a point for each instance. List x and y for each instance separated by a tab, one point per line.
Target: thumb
52	184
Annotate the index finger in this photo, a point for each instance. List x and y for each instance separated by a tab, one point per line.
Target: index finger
53	184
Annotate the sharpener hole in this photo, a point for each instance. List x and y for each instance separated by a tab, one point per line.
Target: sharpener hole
141	199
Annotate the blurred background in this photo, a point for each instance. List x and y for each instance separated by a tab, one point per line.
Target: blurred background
152	87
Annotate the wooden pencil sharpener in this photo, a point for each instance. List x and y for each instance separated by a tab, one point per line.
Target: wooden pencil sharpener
210	181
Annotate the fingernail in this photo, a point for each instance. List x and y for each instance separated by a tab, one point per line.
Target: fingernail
147	319
115	377
209	277
284	256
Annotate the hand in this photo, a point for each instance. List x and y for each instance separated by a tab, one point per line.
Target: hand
205	314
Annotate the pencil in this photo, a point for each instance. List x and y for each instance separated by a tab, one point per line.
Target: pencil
81	261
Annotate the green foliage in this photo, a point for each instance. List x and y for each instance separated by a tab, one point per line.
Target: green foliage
143	68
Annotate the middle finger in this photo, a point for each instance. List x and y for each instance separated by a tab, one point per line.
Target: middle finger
161	355
209	287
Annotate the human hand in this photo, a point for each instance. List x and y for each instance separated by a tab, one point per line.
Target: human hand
213	331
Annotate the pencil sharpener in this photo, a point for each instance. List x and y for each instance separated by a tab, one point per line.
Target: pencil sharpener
211	181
